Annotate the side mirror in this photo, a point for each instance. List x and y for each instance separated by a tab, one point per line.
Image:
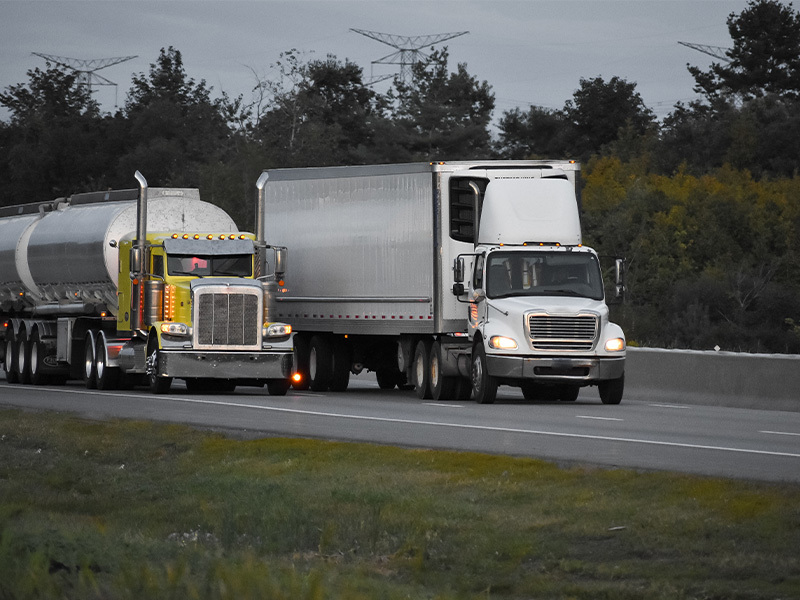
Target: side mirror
478	295
280	262
458	271
458	289
620	277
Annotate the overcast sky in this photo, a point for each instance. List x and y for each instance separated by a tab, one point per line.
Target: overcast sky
530	52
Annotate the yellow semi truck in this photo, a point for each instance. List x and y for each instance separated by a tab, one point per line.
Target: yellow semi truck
139	286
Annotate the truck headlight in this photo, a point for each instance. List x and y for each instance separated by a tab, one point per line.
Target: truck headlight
500	342
615	345
276	330
180	329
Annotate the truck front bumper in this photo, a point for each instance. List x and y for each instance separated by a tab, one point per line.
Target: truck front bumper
225	365
566	368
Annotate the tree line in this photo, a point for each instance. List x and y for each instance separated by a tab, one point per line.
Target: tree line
704	204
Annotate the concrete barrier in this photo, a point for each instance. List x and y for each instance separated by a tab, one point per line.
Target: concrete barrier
764	381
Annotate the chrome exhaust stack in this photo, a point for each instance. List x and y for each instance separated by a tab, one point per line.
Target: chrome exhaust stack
138	256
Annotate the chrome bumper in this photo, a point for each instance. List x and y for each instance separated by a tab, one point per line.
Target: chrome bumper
566	368
225	365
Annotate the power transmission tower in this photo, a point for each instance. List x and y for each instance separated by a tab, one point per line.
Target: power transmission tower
408	50
715	51
87	69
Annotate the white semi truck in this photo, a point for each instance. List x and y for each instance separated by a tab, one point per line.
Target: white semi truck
455	277
141	285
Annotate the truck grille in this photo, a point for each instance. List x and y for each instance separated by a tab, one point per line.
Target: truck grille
228	319
548	332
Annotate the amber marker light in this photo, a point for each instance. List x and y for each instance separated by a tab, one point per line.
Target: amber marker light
297	378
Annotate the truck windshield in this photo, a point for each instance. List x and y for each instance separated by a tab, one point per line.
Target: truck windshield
228	265
543	274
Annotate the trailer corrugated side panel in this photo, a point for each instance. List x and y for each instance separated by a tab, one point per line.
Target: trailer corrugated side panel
361	248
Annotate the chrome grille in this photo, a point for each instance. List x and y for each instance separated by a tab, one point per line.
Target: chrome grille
552	332
227	319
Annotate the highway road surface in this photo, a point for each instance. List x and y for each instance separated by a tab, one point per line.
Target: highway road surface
637	434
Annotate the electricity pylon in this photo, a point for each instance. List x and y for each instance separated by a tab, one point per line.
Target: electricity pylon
715	51
409	50
86	69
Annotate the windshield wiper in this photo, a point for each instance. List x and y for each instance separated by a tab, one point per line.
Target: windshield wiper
188	273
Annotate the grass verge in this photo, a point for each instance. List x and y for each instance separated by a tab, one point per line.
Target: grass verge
124	509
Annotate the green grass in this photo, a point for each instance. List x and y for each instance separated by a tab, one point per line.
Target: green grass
122	509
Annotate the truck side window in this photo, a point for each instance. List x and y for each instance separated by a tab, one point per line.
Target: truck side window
158	265
462	207
477	279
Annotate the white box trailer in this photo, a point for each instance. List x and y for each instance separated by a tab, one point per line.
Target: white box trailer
379	257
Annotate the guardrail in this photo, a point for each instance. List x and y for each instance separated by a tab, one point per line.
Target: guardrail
764	381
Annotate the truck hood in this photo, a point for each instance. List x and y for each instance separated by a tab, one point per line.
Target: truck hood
550	304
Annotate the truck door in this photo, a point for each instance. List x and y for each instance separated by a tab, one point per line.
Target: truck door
477	310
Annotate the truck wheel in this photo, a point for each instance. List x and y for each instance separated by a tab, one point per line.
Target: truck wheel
340	368
107	377
278	387
320	364
611	390
421	371
37	354
388	378
463	389
442	387
301	362
10	360
156	383
484	386
24	357
569	393
89	367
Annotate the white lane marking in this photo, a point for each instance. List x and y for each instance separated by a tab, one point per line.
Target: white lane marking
597	418
443	404
603	438
780	433
679	406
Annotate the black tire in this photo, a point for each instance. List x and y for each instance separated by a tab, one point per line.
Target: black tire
388	378
107	378
37	366
463	389
320	364
340	367
442	387
24	357
484	386
278	387
611	390
89	365
156	383
10	359
421	370
569	393
195	385
301	362
531	390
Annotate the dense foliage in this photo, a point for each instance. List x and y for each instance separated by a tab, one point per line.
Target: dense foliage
704	205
